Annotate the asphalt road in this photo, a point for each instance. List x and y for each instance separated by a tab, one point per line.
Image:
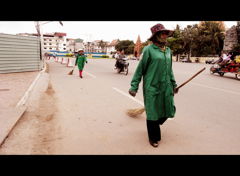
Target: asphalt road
90	112
206	122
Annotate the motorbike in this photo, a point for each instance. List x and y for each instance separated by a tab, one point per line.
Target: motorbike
231	68
123	66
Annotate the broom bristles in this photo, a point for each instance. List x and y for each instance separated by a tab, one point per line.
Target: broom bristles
71	72
135	112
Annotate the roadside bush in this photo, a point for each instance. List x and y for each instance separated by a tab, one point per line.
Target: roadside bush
105	56
68	55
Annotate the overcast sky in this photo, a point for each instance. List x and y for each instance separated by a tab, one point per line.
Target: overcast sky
106	30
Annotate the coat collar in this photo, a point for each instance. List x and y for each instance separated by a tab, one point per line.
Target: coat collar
156	47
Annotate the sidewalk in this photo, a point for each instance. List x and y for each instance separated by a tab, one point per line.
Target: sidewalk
13	86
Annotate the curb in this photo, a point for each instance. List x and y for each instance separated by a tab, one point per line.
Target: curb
11	115
27	93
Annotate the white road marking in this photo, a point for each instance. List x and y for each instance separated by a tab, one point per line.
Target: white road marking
216	88
129	96
89	74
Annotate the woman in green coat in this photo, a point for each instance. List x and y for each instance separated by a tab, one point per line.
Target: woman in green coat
80	60
158	82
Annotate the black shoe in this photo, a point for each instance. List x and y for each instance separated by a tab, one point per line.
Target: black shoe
80	76
154	144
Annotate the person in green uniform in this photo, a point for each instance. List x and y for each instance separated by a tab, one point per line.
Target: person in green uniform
80	60
159	85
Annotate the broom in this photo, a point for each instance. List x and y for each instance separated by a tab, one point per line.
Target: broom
71	72
139	111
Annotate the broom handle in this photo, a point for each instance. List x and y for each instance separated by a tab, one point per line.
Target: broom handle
191	78
74	67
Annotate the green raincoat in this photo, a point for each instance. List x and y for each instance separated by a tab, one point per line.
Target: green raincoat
158	82
80	60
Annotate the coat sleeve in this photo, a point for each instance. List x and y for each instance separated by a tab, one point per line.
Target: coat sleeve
76	59
140	71
172	78
85	59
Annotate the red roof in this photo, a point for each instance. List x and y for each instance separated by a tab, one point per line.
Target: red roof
60	34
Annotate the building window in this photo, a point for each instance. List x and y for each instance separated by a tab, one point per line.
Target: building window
64	44
44	43
64	48
50	43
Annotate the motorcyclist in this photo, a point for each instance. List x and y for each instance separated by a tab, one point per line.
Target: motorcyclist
220	59
120	62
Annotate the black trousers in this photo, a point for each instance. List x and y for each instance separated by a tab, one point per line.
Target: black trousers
153	128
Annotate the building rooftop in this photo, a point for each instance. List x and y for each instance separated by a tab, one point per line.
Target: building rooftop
114	42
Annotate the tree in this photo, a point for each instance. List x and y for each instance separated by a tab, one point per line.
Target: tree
212	35
102	44
126	45
176	42
146	43
130	49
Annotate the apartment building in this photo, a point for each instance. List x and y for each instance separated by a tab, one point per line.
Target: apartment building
52	41
70	44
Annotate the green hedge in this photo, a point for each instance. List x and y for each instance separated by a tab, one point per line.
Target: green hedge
105	56
69	55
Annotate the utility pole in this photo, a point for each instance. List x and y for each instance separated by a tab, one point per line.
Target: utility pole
88	36
41	34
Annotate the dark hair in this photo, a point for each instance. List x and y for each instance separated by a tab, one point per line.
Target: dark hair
233	55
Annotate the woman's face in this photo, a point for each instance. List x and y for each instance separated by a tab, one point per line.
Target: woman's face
162	36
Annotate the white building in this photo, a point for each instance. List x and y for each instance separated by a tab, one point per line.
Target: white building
78	44
70	44
94	46
52	41
111	47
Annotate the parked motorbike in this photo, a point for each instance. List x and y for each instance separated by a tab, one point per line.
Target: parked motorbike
123	66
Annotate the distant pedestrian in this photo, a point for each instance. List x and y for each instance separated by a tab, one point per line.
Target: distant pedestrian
117	57
80	61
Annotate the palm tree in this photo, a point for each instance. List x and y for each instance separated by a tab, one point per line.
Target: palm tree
102	44
213	32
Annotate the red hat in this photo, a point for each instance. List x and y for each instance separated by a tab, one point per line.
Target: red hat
159	27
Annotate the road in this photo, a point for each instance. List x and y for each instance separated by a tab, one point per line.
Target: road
87	116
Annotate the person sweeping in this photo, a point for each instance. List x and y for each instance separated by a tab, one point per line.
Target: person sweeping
80	61
159	85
